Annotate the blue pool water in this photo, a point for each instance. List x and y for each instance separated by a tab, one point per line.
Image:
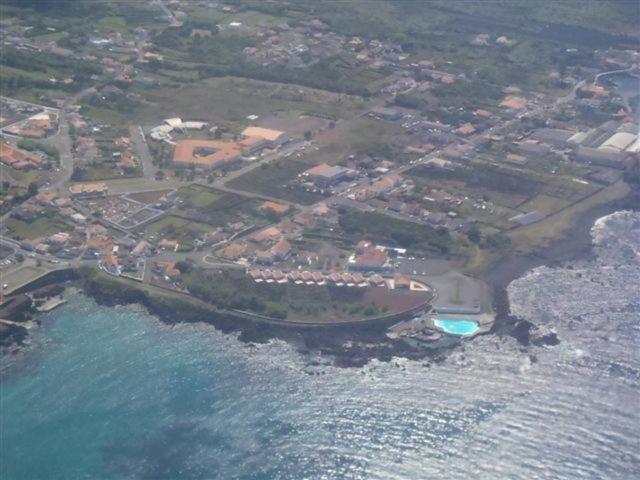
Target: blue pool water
457	326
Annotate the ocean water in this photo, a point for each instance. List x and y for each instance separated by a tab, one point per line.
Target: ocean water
114	393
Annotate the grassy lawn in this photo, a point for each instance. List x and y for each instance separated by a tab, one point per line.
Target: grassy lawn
544	204
394	232
532	237
112	24
273	180
104	172
18	175
105	115
40	227
198	197
235	290
176	228
217	208
352	136
232	99
51	37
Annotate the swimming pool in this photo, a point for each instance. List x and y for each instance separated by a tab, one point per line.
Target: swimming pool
457	326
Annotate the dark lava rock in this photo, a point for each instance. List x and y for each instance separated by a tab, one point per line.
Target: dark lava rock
522	331
550	339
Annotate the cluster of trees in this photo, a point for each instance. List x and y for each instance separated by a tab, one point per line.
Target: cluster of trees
495	241
19	194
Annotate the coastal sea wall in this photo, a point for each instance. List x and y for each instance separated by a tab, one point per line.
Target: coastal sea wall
351	343
54	277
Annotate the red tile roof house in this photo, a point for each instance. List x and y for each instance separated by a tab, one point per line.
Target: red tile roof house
277	208
264	257
268	276
307	277
256	275
171	271
402	282
359	280
348	280
296	277
336	278
110	265
279	276
281	250
371	259
171	245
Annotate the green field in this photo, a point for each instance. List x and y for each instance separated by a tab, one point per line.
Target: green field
40	227
395	232
358	135
217	208
112	24
197	197
176	228
274	180
103	172
232	99
228	289
51	37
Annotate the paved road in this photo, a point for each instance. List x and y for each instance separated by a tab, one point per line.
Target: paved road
142	151
62	142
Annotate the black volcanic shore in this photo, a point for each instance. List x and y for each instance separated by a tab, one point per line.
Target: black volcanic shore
349	345
576	246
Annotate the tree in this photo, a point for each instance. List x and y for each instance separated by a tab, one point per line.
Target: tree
498	241
183	266
474	234
32	189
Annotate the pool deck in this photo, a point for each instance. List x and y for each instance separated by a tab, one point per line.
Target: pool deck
457	296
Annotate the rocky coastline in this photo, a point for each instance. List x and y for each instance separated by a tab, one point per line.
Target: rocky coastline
572	247
349	345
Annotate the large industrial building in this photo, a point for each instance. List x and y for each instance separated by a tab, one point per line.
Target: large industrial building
325	175
271	138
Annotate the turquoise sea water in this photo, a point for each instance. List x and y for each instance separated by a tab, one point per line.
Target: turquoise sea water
457	326
112	393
